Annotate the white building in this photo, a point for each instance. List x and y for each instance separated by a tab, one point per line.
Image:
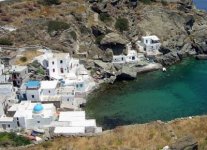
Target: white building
18	74
27	115
61	64
4	77
131	57
150	45
76	124
33	90
8	96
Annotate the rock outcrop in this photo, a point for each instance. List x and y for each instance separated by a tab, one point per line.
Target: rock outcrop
185	143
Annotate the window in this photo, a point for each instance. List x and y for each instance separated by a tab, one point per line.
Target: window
53	70
133	57
81	85
61	61
33	96
8	125
61	70
53	62
76	85
49	91
38	121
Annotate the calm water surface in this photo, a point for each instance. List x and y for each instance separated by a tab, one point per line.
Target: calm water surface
179	92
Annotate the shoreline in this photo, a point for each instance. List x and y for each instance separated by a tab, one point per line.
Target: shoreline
103	85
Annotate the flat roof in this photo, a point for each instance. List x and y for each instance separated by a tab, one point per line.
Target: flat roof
85	123
72	116
6	119
6	88
17	68
49	84
69	130
153	37
33	84
60	55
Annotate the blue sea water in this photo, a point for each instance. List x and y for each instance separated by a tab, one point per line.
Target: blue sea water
201	4
180	92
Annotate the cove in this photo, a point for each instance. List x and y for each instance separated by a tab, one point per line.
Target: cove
180	92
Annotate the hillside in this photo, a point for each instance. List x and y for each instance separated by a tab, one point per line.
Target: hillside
182	133
80	27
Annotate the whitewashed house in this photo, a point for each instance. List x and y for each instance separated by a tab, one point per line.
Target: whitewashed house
18	73
61	64
27	115
33	90
8	96
131	57
49	88
150	45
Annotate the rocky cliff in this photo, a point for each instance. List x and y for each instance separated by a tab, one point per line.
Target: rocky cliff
92	28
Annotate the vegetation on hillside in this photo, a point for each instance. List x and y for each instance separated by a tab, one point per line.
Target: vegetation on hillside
105	17
5	41
153	135
57	26
122	24
51	2
12	139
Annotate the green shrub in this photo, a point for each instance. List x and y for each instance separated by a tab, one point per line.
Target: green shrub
122	24
51	2
57	25
12	139
104	17
23	59
5	41
146	1
41	71
99	39
74	35
164	3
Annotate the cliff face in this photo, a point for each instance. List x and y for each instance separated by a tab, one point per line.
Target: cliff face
181	28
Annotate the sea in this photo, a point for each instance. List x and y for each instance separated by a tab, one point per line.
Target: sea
179	92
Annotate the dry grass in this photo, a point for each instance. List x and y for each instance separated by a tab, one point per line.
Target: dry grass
19	11
152	136
29	55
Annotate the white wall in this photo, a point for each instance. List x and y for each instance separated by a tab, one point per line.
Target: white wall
38	121
119	59
48	92
35	92
8	125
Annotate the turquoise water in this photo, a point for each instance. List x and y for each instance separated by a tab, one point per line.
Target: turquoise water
179	92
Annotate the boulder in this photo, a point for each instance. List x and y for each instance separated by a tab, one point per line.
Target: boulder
185	143
201	57
113	38
127	73
168	59
108	55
